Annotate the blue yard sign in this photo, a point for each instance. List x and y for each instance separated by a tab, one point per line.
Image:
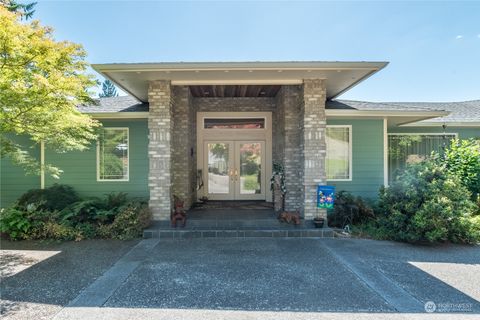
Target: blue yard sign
325	196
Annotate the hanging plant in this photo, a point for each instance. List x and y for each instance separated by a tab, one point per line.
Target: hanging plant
278	171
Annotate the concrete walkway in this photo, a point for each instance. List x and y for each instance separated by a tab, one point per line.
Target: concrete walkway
280	278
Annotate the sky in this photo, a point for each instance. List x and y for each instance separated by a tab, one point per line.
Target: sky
433	47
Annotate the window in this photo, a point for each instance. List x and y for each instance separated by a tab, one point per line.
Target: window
411	148
112	155
339	152
234	123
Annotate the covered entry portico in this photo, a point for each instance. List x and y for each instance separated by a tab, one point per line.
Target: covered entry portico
188	156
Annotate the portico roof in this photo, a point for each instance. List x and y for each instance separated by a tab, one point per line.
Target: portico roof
340	76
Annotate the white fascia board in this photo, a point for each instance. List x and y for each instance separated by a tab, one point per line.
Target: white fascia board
384	113
118	115
440	123
198	66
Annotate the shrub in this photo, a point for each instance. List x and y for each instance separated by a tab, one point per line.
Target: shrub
53	198
346	206
130	221
110	217
462	159
55	231
427	203
95	209
115	200
15	223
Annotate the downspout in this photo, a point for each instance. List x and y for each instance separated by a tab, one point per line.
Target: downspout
385	152
42	165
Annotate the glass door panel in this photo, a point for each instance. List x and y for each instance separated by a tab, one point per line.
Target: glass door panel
250	163
235	170
250	168
219	160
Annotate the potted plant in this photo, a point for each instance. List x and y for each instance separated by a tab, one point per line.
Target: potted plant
277	185
318	222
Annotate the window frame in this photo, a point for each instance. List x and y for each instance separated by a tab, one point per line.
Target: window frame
128	156
350	153
387	145
227	116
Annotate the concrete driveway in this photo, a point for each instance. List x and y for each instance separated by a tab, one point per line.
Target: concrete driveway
241	278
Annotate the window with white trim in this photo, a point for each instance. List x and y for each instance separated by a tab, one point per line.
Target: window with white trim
339	153
404	148
112	154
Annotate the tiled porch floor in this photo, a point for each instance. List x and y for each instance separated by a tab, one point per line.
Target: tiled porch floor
232	219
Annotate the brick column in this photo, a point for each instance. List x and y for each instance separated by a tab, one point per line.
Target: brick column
289	112
182	131
313	144
159	149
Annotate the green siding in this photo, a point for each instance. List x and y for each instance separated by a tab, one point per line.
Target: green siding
13	180
80	168
463	132
367	157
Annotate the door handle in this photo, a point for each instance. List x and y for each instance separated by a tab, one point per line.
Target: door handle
236	174
231	174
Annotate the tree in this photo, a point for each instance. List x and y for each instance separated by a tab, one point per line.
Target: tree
25	10
41	83
108	89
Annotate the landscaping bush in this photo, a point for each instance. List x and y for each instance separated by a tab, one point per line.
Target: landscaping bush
427	203
462	159
113	216
15	223
346	206
130	221
53	198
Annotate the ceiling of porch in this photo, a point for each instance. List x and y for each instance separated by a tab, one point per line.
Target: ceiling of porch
228	91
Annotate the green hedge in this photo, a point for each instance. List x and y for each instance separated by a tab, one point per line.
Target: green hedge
58	213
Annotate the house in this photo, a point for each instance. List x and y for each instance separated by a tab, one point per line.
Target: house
215	129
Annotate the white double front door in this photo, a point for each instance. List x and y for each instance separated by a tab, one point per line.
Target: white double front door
235	170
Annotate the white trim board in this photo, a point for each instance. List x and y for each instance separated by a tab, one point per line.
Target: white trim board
118	115
440	124
423	134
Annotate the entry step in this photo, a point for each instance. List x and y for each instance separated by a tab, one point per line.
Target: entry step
190	234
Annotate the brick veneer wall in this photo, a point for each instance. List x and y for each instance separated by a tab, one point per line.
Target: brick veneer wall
288	103
313	145
183	160
159	126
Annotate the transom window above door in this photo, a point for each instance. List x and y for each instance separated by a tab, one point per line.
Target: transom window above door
234	123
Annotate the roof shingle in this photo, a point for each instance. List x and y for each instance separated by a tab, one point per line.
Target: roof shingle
115	104
465	111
